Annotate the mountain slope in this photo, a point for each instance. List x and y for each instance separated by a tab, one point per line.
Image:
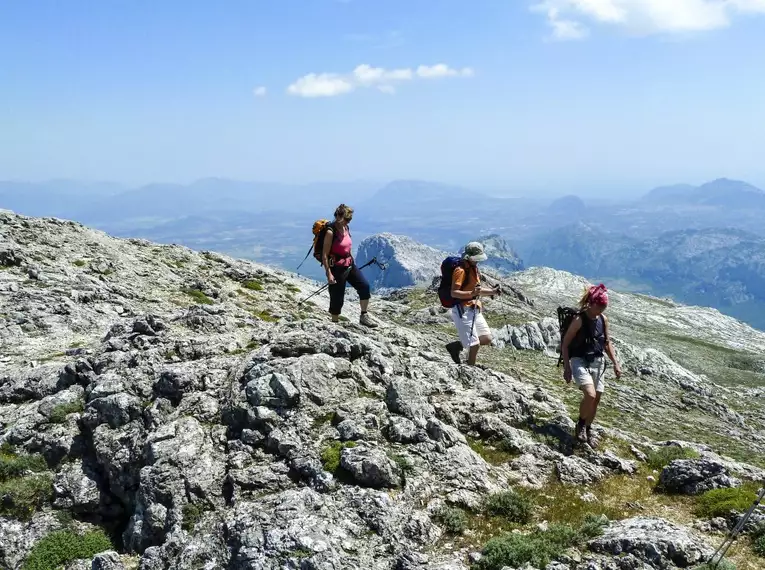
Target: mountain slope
190	404
408	262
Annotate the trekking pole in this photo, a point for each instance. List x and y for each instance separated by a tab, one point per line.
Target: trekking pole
730	539
319	290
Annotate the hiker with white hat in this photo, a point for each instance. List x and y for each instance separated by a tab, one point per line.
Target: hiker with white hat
466	291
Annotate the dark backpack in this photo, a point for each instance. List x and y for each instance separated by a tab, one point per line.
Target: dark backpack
565	317
448	266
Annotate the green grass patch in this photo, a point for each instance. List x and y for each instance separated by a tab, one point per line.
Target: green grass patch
538	548
266	316
453	519
493	453
80	263
404	463
23	496
658	459
330	455
13	465
198	296
63	546
253	285
293	288
511	506
59	413
720	502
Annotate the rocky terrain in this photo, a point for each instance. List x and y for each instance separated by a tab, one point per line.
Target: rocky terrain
409	263
167	409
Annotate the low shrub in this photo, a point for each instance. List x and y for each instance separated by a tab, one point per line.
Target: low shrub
191	515
198	296
253	285
330	456
12	465
539	547
22	496
660	458
720	502
61	547
59	413
511	506
453	519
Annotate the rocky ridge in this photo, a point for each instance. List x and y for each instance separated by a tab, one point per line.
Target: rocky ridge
192	407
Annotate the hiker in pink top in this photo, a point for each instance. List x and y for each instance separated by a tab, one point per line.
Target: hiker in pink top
340	268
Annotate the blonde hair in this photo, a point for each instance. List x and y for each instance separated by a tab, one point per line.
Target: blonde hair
344	211
584	302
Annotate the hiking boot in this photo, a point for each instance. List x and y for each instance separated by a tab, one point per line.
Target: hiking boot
367	321
454	349
581	431
592	439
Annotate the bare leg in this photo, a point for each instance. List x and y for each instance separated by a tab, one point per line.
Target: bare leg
364	305
473	354
587	407
595	405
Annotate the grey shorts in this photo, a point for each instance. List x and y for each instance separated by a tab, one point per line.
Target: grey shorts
589	374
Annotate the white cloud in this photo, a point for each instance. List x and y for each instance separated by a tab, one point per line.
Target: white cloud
442	70
320	85
365	76
259	91
567	17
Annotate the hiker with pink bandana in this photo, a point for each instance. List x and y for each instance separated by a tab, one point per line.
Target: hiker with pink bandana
582	349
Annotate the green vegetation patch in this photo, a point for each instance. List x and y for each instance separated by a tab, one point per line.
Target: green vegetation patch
266	316
80	263
538	548
453	519
191	515
59	413
24	487
330	455
758	540
198	296
720	502
660	458
13	465
511	506
63	546
253	285
23	496
497	453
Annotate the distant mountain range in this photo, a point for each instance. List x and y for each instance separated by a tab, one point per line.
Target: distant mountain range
721	192
718	267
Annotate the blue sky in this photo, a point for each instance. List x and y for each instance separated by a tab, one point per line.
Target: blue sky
512	95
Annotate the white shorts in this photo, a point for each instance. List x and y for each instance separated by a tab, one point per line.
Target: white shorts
464	325
591	374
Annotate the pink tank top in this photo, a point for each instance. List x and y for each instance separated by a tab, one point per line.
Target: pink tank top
341	249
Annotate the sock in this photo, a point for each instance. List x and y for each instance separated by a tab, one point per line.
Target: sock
363	312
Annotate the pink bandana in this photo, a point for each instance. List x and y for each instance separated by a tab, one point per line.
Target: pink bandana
598	295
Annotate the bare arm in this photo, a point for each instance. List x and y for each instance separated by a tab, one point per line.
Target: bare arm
573	328
328	237
457	291
609	346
